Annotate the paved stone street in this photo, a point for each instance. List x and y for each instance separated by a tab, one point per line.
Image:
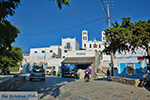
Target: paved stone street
55	88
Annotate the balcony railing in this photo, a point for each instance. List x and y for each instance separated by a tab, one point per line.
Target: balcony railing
68	48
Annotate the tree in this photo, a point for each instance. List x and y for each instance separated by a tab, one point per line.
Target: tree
117	37
128	36
141	36
12	58
8	32
60	2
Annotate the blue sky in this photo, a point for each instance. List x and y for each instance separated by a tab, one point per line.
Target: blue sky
38	16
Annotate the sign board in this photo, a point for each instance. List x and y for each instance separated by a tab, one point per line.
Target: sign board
26	54
143	57
80	54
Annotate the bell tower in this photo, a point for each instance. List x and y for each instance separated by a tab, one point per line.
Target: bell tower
84	38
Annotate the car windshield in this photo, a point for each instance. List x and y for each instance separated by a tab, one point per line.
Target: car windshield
38	69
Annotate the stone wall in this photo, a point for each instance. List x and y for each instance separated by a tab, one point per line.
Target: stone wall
12	83
134	82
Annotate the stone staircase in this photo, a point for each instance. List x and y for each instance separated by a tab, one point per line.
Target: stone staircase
103	69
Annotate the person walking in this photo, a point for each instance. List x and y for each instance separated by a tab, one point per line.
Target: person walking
108	74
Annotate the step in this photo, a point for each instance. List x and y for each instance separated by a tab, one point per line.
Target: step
99	74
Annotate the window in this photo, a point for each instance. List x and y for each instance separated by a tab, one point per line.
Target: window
43	51
65	51
95	46
38	69
104	38
51	51
84	33
84	38
35	51
63	56
68	45
84	45
99	46
90	46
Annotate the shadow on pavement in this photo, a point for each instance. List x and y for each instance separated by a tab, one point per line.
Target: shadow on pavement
51	86
147	88
101	79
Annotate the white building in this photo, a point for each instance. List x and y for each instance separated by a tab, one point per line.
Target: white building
68	44
49	56
43	56
128	65
80	59
96	45
92	44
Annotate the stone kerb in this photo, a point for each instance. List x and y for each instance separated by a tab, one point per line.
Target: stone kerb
11	84
134	82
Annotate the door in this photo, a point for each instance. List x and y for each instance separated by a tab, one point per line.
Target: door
130	68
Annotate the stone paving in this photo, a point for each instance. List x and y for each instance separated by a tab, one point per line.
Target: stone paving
55	88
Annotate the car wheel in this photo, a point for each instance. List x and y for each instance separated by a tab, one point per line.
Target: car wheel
8	72
30	79
43	80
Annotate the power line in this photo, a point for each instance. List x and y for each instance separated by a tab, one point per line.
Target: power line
64	28
104	6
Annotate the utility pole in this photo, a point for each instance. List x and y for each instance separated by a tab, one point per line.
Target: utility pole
112	63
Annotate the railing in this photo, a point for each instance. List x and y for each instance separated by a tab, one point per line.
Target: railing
66	47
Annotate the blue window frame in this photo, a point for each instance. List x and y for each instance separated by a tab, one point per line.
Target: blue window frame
68	45
35	51
63	56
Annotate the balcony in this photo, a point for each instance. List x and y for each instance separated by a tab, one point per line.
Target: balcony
67	47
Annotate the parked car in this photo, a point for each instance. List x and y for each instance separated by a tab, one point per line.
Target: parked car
48	70
5	71
37	73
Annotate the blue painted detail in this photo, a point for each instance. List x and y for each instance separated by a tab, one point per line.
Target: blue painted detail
46	64
80	54
123	68
138	68
147	64
27	68
68	66
83	63
34	65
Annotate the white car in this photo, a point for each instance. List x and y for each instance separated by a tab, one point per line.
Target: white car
37	73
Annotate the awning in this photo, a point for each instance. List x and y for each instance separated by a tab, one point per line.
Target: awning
79	60
68	67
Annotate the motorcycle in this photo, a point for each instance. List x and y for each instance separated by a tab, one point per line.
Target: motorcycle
145	80
86	77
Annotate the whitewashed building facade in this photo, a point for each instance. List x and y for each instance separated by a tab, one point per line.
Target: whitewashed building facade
68	44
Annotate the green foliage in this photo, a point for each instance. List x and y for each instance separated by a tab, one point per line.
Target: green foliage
8	32
60	2
11	58
127	36
16	68
7	7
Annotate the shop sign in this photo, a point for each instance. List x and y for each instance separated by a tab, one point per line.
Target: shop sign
80	54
